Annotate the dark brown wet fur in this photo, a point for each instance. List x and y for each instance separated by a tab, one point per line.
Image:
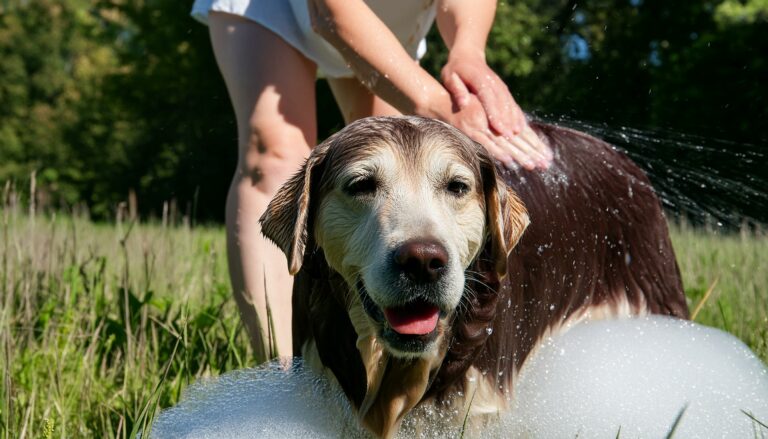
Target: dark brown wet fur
597	236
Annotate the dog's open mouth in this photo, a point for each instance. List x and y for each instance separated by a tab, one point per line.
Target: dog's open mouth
415	318
408	328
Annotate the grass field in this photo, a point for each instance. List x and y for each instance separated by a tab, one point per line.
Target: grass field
101	324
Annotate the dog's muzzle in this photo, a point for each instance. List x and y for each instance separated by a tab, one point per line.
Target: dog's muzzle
411	315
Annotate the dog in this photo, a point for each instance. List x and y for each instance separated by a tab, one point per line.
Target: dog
425	273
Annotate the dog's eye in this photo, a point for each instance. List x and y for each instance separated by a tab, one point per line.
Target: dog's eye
458	187
361	186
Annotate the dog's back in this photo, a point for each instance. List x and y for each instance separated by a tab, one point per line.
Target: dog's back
597	247
597	236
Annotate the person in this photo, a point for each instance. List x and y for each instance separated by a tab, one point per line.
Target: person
269	53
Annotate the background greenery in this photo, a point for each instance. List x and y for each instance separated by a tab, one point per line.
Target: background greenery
101	97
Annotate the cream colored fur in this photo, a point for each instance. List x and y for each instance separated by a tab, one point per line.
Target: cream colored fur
358	236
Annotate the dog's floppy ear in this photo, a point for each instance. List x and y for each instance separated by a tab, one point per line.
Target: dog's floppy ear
286	220
506	216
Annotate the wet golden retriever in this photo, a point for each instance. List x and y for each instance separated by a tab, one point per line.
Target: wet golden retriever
425	274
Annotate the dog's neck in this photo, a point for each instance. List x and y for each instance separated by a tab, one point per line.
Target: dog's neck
392	386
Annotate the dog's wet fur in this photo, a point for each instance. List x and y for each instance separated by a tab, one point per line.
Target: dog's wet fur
406	214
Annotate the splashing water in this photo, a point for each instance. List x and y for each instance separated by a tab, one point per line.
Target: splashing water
634	374
703	180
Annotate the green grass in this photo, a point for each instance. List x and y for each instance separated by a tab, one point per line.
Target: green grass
92	317
102	324
736	264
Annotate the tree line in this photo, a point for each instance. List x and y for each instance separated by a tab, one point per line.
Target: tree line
100	99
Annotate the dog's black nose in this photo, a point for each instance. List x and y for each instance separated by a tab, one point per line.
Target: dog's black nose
421	260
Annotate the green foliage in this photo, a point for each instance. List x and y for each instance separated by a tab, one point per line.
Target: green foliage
731	12
49	51
695	66
103	97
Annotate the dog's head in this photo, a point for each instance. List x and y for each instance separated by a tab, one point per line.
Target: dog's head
401	207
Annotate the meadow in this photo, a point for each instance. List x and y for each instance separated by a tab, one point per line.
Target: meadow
103	324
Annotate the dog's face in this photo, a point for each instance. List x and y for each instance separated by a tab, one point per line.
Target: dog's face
401	207
401	223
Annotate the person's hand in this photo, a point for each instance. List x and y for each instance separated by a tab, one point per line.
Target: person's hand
467	75
472	120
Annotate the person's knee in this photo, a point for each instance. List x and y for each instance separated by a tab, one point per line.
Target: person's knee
273	151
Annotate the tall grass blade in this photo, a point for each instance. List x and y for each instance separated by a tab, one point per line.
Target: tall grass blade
676	424
272	351
755	420
704	299
466	415
143	423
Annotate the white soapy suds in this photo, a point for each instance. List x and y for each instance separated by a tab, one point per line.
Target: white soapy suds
637	375
634	374
266	402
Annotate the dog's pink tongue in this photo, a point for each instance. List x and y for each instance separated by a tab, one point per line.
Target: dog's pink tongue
414	319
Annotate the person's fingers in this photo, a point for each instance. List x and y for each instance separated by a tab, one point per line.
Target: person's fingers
504	115
521	144
515	153
494	149
530	136
510	153
520	157
490	100
529	146
516	117
458	90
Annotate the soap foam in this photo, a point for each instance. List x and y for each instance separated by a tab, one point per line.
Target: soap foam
635	375
270	401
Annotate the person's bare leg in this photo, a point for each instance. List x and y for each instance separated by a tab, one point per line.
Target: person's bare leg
356	101
271	86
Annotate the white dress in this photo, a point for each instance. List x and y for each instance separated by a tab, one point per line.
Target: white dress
409	20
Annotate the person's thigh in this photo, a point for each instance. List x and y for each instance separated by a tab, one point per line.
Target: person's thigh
272	89
356	101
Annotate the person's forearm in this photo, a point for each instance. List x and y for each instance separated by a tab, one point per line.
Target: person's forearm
377	57
464	25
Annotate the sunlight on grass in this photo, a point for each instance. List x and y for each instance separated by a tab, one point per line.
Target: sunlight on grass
735	264
101	324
